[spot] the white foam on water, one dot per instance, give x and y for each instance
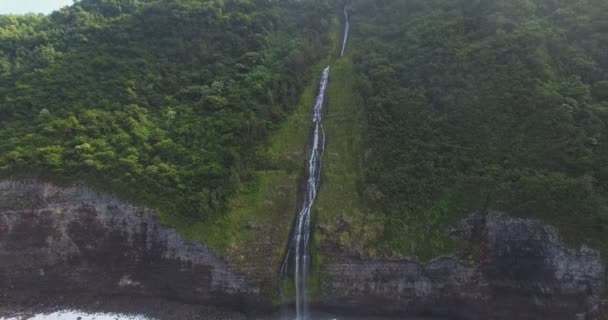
(78, 315)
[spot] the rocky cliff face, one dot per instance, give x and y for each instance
(55, 240)
(58, 240)
(523, 272)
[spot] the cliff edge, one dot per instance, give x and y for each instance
(55, 240)
(74, 240)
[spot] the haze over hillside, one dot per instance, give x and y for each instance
(337, 138)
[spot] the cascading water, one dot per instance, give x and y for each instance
(346, 29)
(297, 260)
(299, 248)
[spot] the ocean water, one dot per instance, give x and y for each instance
(83, 315)
(78, 315)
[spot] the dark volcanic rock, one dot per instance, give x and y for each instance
(524, 272)
(58, 241)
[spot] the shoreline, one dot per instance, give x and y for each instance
(148, 307)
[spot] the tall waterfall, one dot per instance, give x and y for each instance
(299, 248)
(297, 260)
(346, 30)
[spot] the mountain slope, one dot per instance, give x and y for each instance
(161, 102)
(473, 105)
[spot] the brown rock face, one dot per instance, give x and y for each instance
(74, 240)
(524, 272)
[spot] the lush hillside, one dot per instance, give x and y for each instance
(162, 102)
(482, 104)
(200, 109)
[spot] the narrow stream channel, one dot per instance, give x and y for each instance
(297, 260)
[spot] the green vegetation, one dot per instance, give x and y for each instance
(339, 212)
(165, 103)
(201, 110)
(482, 104)
(285, 156)
(270, 199)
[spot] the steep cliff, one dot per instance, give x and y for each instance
(522, 272)
(58, 240)
(73, 240)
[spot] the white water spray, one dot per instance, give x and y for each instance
(72, 315)
(346, 30)
(298, 252)
(299, 248)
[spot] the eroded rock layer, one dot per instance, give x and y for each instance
(522, 272)
(74, 240)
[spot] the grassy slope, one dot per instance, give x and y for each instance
(339, 215)
(339, 212)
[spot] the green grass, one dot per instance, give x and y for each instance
(258, 203)
(338, 214)
(288, 145)
(338, 208)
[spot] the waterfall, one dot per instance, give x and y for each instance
(299, 248)
(297, 260)
(346, 29)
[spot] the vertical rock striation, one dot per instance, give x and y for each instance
(61, 241)
(524, 272)
(58, 241)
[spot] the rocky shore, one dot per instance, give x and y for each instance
(522, 271)
(74, 247)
